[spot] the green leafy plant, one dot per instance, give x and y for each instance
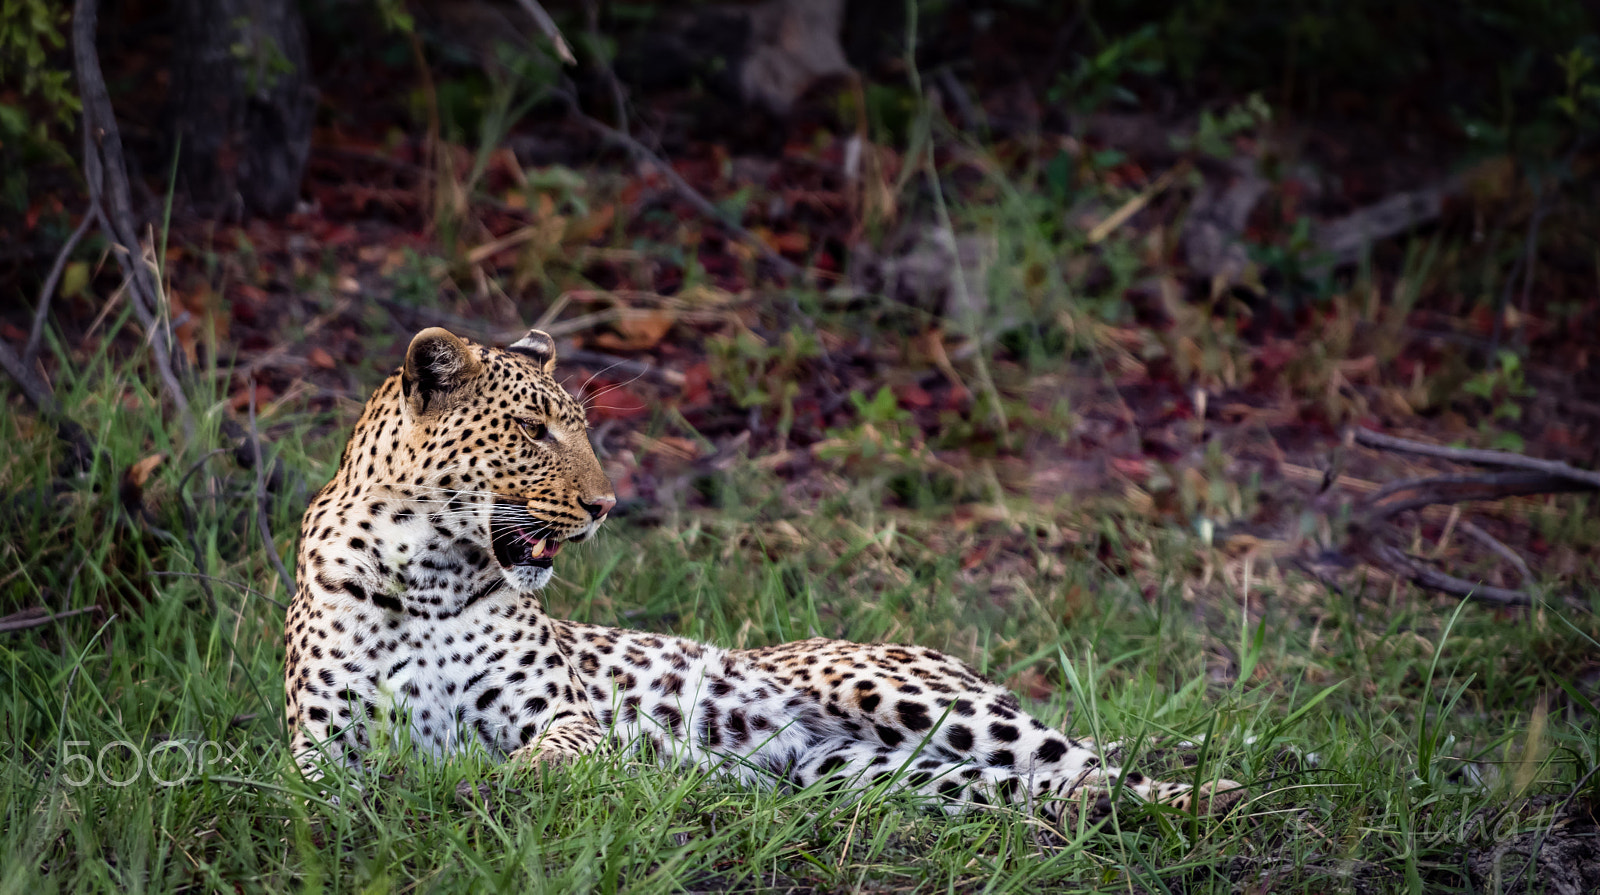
(1098, 79)
(886, 445)
(30, 30)
(1212, 134)
(761, 375)
(1502, 387)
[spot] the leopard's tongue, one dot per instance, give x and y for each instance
(539, 548)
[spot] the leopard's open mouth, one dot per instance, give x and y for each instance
(521, 540)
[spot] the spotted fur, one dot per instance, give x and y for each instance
(419, 570)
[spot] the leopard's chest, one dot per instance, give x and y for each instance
(454, 680)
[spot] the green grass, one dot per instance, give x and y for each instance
(1384, 735)
(1352, 724)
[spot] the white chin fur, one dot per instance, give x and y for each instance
(527, 578)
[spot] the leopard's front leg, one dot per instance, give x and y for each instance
(571, 729)
(561, 743)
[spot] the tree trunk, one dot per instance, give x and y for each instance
(242, 105)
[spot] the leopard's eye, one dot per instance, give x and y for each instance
(532, 428)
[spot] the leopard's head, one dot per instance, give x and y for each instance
(499, 449)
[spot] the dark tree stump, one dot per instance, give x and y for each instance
(242, 105)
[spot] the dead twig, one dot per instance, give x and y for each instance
(950, 87)
(106, 173)
(42, 309)
(1522, 266)
(38, 617)
(80, 450)
(1133, 206)
(548, 26)
(34, 388)
(24, 368)
(1500, 549)
(619, 96)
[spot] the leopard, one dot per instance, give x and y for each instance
(418, 608)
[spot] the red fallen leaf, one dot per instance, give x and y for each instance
(247, 301)
(1277, 353)
(240, 401)
(1030, 683)
(1557, 435)
(13, 332)
(912, 396)
(1481, 319)
(977, 555)
(615, 402)
(697, 385)
(638, 330)
(1132, 467)
(792, 242)
(321, 359)
(629, 196)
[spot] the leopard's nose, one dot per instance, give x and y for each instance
(599, 506)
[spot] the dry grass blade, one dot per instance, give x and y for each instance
(262, 522)
(1132, 206)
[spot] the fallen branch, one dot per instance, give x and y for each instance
(1343, 241)
(1214, 228)
(1373, 534)
(1369, 438)
(1414, 494)
(38, 617)
(1419, 572)
(644, 155)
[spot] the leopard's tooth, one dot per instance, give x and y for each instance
(538, 547)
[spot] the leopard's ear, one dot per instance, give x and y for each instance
(437, 364)
(538, 345)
